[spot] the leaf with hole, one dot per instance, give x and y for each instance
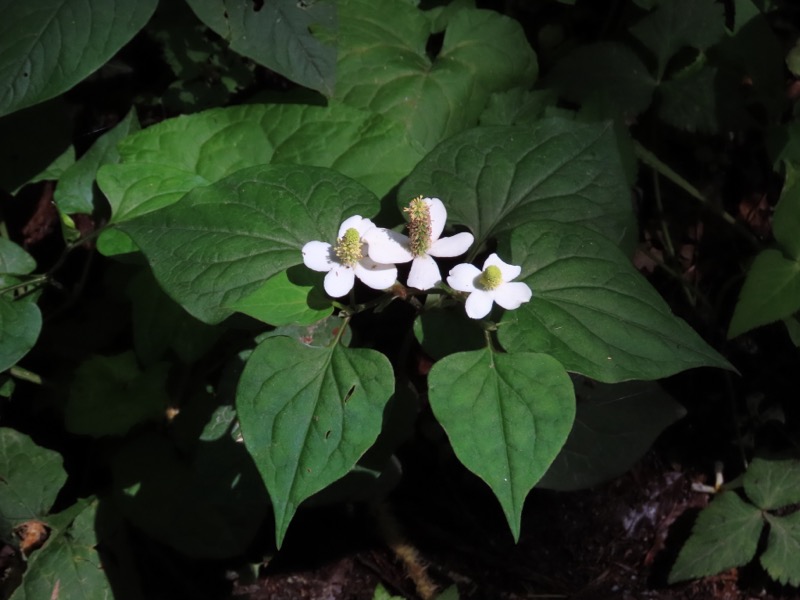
(308, 414)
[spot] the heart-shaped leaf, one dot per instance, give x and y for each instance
(507, 417)
(384, 65)
(31, 479)
(495, 179)
(278, 35)
(770, 292)
(308, 414)
(14, 260)
(47, 47)
(220, 243)
(593, 311)
(20, 324)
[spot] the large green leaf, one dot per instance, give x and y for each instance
(75, 190)
(494, 179)
(507, 416)
(614, 426)
(678, 23)
(68, 566)
(781, 559)
(593, 311)
(48, 46)
(770, 292)
(308, 414)
(293, 297)
(220, 243)
(163, 162)
(772, 484)
(278, 35)
(384, 66)
(724, 536)
(30, 479)
(20, 324)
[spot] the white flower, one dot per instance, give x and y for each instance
(348, 259)
(427, 220)
(493, 284)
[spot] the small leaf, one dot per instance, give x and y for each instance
(220, 243)
(781, 559)
(286, 299)
(607, 77)
(20, 324)
(48, 47)
(14, 260)
(689, 101)
(679, 23)
(75, 190)
(68, 566)
(308, 414)
(30, 479)
(770, 292)
(110, 395)
(278, 35)
(384, 65)
(614, 426)
(507, 417)
(724, 536)
(772, 484)
(495, 179)
(593, 311)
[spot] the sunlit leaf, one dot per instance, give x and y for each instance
(781, 559)
(494, 179)
(384, 65)
(220, 243)
(593, 311)
(507, 417)
(20, 324)
(14, 260)
(308, 414)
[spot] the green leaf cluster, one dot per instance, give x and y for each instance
(727, 532)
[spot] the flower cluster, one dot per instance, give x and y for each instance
(369, 253)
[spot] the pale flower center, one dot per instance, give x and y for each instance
(419, 227)
(491, 278)
(349, 247)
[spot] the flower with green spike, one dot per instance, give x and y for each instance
(493, 284)
(427, 217)
(348, 259)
